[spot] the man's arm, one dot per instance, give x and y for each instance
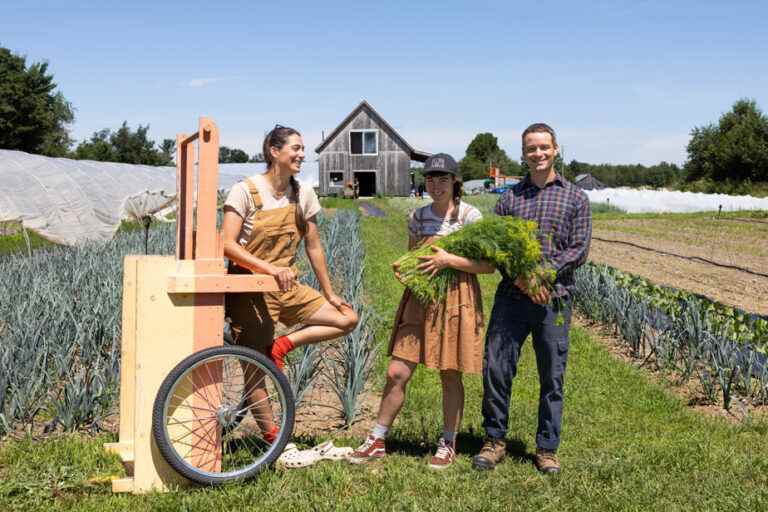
(576, 253)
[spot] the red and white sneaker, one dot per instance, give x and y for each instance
(444, 456)
(372, 449)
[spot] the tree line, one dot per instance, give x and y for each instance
(728, 156)
(484, 151)
(34, 117)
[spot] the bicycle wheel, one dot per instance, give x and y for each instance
(212, 410)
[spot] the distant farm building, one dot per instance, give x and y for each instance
(588, 182)
(365, 147)
(499, 179)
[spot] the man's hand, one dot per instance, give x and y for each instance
(534, 288)
(435, 263)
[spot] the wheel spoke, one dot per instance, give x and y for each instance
(204, 444)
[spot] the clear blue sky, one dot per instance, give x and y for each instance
(621, 82)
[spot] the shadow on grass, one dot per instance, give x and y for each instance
(467, 443)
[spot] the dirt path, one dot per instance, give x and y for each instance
(371, 209)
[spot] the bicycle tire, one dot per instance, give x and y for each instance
(186, 369)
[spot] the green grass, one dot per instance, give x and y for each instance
(18, 243)
(338, 202)
(601, 208)
(628, 444)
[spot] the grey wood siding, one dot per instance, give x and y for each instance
(392, 163)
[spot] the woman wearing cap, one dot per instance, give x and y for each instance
(265, 218)
(446, 336)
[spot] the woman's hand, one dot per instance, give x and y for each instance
(435, 263)
(337, 302)
(285, 277)
(396, 270)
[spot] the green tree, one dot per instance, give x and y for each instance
(125, 146)
(483, 152)
(734, 150)
(232, 156)
(33, 116)
(632, 175)
(168, 149)
(257, 158)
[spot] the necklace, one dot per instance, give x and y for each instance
(278, 194)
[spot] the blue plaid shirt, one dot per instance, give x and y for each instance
(561, 210)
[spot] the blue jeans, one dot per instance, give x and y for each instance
(513, 318)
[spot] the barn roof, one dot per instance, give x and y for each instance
(588, 182)
(419, 156)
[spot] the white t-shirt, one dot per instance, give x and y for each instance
(240, 200)
(432, 225)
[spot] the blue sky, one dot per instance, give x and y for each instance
(621, 82)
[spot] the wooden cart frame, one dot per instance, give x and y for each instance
(173, 307)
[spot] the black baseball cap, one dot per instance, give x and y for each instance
(441, 162)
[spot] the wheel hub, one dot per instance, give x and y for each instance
(227, 415)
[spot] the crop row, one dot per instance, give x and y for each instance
(736, 324)
(679, 332)
(60, 323)
(347, 364)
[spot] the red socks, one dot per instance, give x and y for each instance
(280, 348)
(272, 434)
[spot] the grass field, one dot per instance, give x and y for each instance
(628, 444)
(17, 242)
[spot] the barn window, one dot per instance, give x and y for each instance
(336, 179)
(363, 142)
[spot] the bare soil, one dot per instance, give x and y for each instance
(748, 249)
(319, 415)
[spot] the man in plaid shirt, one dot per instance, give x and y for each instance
(525, 306)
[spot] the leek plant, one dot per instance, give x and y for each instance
(685, 335)
(349, 366)
(60, 324)
(60, 335)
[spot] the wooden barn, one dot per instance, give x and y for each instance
(365, 147)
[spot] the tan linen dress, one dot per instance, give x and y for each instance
(443, 336)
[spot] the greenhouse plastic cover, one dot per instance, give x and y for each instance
(69, 201)
(641, 201)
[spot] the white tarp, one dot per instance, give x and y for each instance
(641, 201)
(69, 201)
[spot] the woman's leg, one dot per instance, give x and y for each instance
(258, 401)
(453, 409)
(326, 323)
(453, 401)
(399, 373)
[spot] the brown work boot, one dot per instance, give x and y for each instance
(546, 461)
(492, 452)
(372, 449)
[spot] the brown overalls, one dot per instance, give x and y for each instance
(444, 336)
(275, 237)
